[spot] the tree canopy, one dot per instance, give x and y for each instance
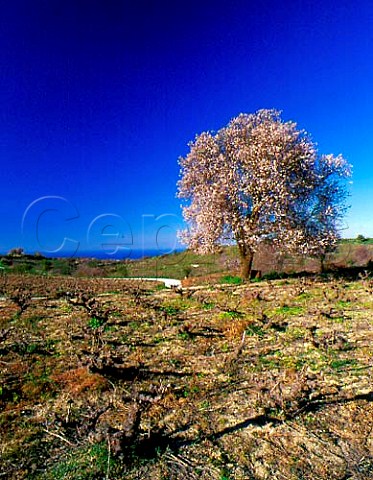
(261, 179)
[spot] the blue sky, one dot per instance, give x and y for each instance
(99, 98)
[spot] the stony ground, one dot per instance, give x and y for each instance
(111, 379)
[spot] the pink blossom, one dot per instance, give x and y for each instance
(257, 180)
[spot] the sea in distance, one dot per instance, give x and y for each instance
(108, 255)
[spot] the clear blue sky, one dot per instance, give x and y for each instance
(99, 98)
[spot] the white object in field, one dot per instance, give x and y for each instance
(168, 282)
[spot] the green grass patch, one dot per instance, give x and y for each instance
(287, 310)
(170, 310)
(94, 323)
(273, 276)
(340, 363)
(208, 305)
(296, 333)
(33, 321)
(66, 308)
(252, 330)
(304, 296)
(184, 336)
(89, 463)
(189, 391)
(343, 303)
(231, 279)
(268, 361)
(230, 314)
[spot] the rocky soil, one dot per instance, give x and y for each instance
(112, 379)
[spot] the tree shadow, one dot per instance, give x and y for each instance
(158, 442)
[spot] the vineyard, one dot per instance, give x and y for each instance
(113, 378)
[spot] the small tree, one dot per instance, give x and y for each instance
(360, 238)
(260, 180)
(16, 252)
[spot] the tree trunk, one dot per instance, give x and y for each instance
(246, 264)
(322, 263)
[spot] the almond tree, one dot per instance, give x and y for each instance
(257, 180)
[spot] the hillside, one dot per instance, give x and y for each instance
(186, 264)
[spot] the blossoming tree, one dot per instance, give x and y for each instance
(258, 180)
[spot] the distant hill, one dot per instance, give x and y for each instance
(186, 264)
